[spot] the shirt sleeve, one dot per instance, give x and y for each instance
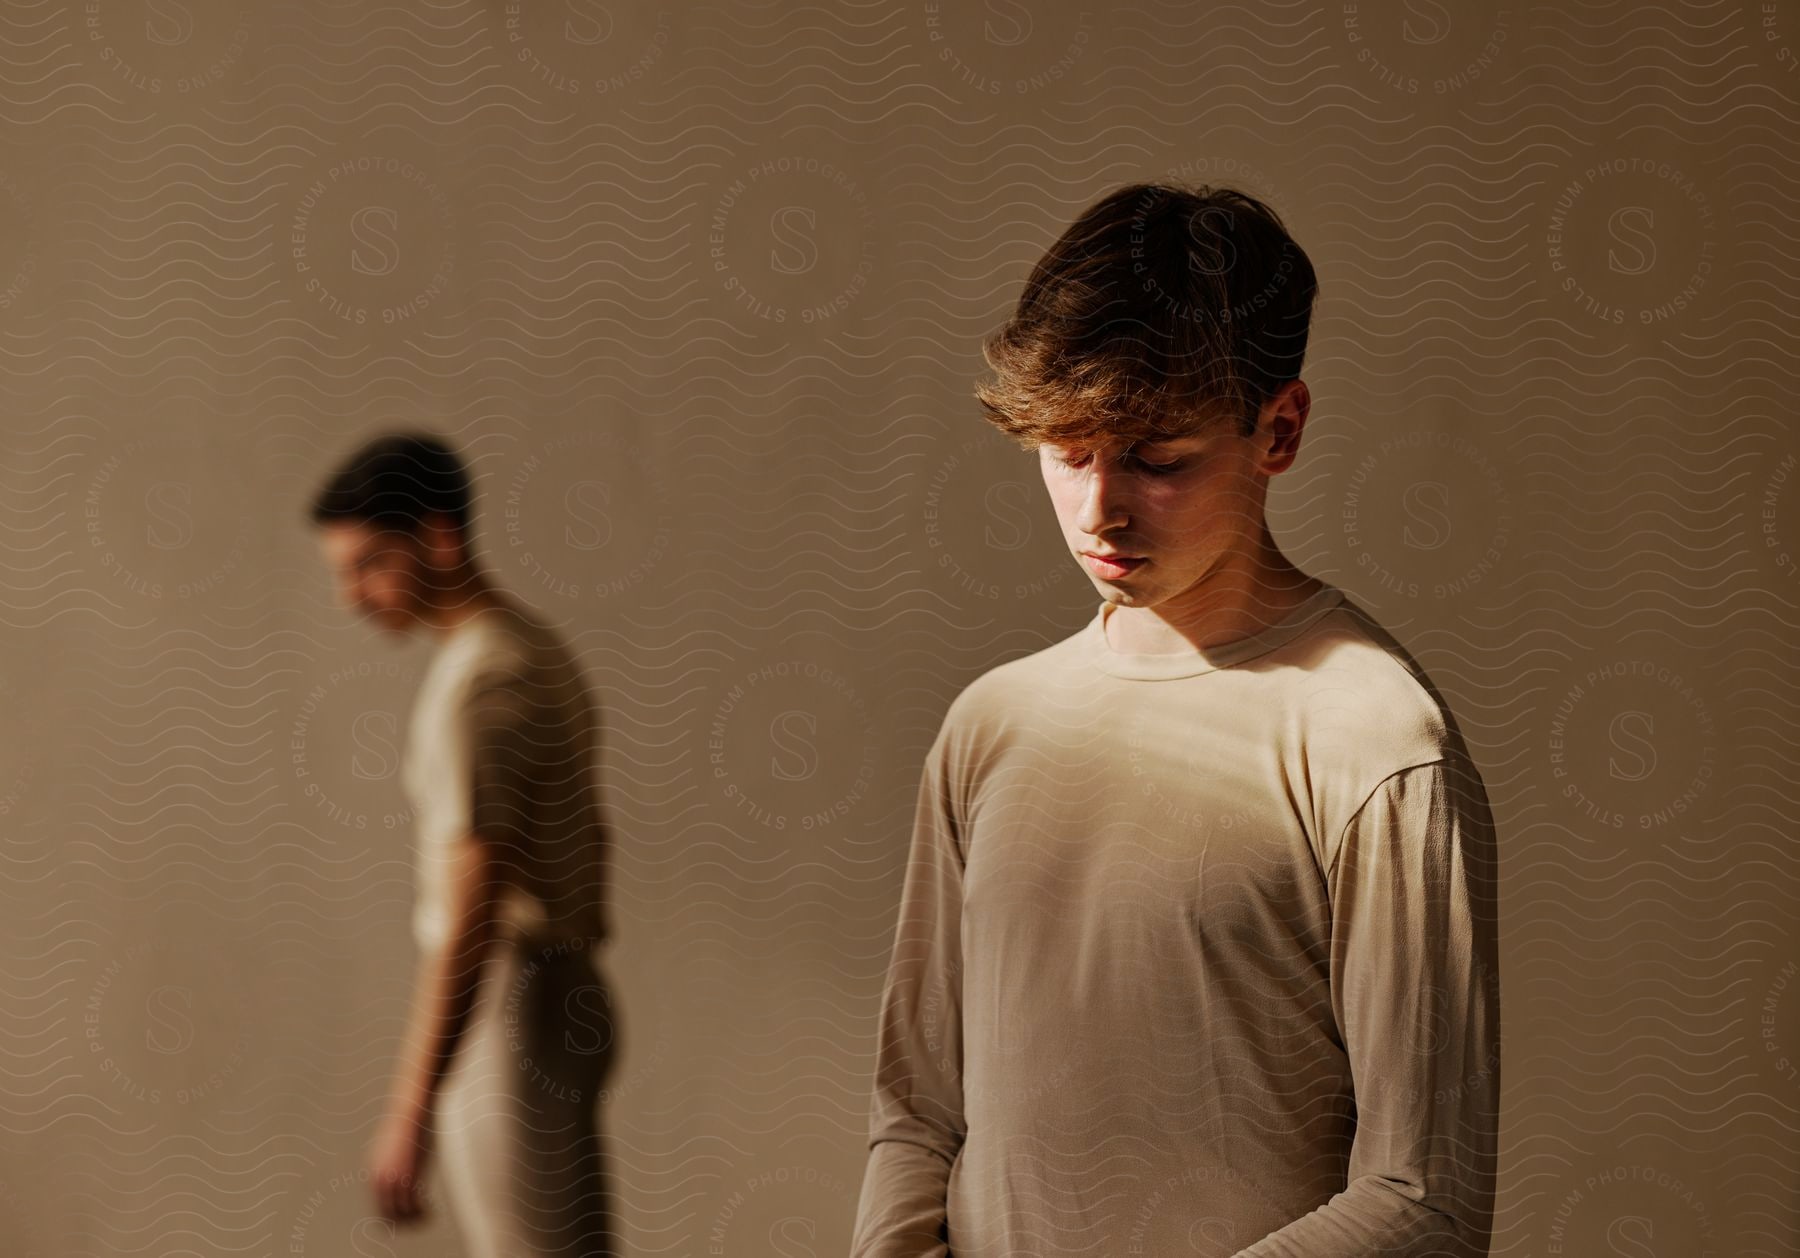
(916, 1125)
(498, 746)
(1415, 991)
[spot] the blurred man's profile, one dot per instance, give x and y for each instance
(508, 1039)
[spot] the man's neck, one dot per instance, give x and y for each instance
(472, 597)
(1223, 607)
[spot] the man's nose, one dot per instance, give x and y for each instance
(1105, 497)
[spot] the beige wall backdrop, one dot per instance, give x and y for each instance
(699, 289)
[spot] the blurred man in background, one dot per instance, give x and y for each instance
(508, 1039)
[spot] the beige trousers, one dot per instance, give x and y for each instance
(519, 1156)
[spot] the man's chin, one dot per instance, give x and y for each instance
(1118, 597)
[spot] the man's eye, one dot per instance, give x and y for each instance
(1161, 469)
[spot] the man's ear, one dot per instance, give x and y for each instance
(441, 539)
(1280, 423)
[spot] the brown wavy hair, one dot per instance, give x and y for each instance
(1163, 310)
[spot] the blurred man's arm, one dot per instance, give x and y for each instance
(916, 1115)
(445, 980)
(489, 779)
(444, 990)
(1415, 987)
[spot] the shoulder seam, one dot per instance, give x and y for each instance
(1338, 849)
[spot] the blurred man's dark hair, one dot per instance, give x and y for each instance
(394, 482)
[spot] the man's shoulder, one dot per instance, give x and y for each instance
(489, 653)
(1357, 684)
(515, 640)
(1363, 710)
(494, 661)
(1013, 686)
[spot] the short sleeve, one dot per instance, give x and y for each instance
(497, 753)
(1415, 993)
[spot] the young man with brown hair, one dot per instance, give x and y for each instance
(1197, 946)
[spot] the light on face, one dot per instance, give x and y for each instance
(1114, 481)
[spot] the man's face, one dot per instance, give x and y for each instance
(1181, 508)
(379, 574)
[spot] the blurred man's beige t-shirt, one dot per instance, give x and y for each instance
(502, 741)
(1196, 955)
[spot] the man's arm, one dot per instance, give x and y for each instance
(916, 1111)
(1415, 989)
(488, 780)
(445, 980)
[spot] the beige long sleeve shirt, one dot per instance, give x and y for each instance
(1196, 955)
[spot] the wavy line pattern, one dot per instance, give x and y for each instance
(699, 290)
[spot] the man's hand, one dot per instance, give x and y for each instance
(397, 1165)
(443, 1002)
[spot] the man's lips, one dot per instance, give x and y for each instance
(1111, 564)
